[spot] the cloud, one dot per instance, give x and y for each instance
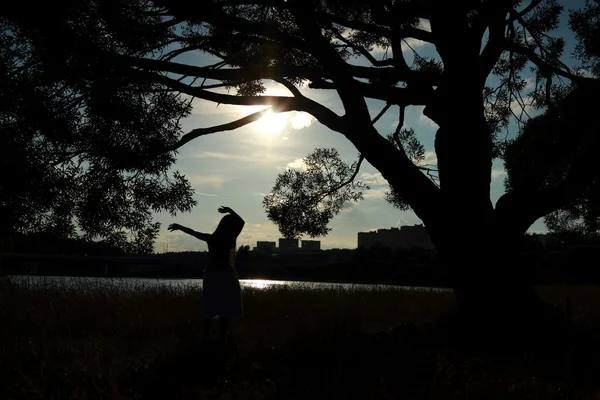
(430, 158)
(347, 206)
(297, 164)
(254, 232)
(402, 222)
(375, 179)
(301, 120)
(529, 83)
(522, 105)
(379, 186)
(498, 173)
(424, 25)
(375, 193)
(205, 194)
(205, 180)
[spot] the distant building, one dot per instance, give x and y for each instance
(264, 247)
(416, 236)
(405, 237)
(311, 245)
(288, 245)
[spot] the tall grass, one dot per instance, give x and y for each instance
(99, 341)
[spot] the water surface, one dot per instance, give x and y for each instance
(265, 284)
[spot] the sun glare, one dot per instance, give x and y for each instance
(271, 123)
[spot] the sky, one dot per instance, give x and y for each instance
(237, 168)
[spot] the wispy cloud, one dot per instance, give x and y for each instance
(205, 180)
(205, 194)
(256, 158)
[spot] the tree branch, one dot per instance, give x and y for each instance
(196, 133)
(214, 14)
(345, 183)
(290, 86)
(378, 63)
(360, 159)
(381, 113)
(256, 73)
(401, 96)
(410, 32)
(518, 15)
(396, 135)
(543, 65)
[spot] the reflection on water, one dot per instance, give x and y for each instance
(131, 283)
(258, 283)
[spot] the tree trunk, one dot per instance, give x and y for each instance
(493, 283)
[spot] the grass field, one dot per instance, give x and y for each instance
(100, 342)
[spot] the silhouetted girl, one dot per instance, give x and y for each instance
(221, 286)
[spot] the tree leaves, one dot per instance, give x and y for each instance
(586, 25)
(82, 145)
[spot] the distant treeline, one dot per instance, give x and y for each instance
(559, 261)
(47, 243)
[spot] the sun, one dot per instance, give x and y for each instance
(271, 123)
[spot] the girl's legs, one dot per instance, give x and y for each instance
(224, 329)
(206, 329)
(224, 325)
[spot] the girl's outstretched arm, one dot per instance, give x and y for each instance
(197, 235)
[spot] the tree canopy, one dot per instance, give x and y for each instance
(564, 140)
(490, 56)
(78, 152)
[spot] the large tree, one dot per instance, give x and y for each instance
(469, 90)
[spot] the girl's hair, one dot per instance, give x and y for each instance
(228, 228)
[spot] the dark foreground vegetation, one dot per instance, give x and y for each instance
(97, 342)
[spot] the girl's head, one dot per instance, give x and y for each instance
(228, 228)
